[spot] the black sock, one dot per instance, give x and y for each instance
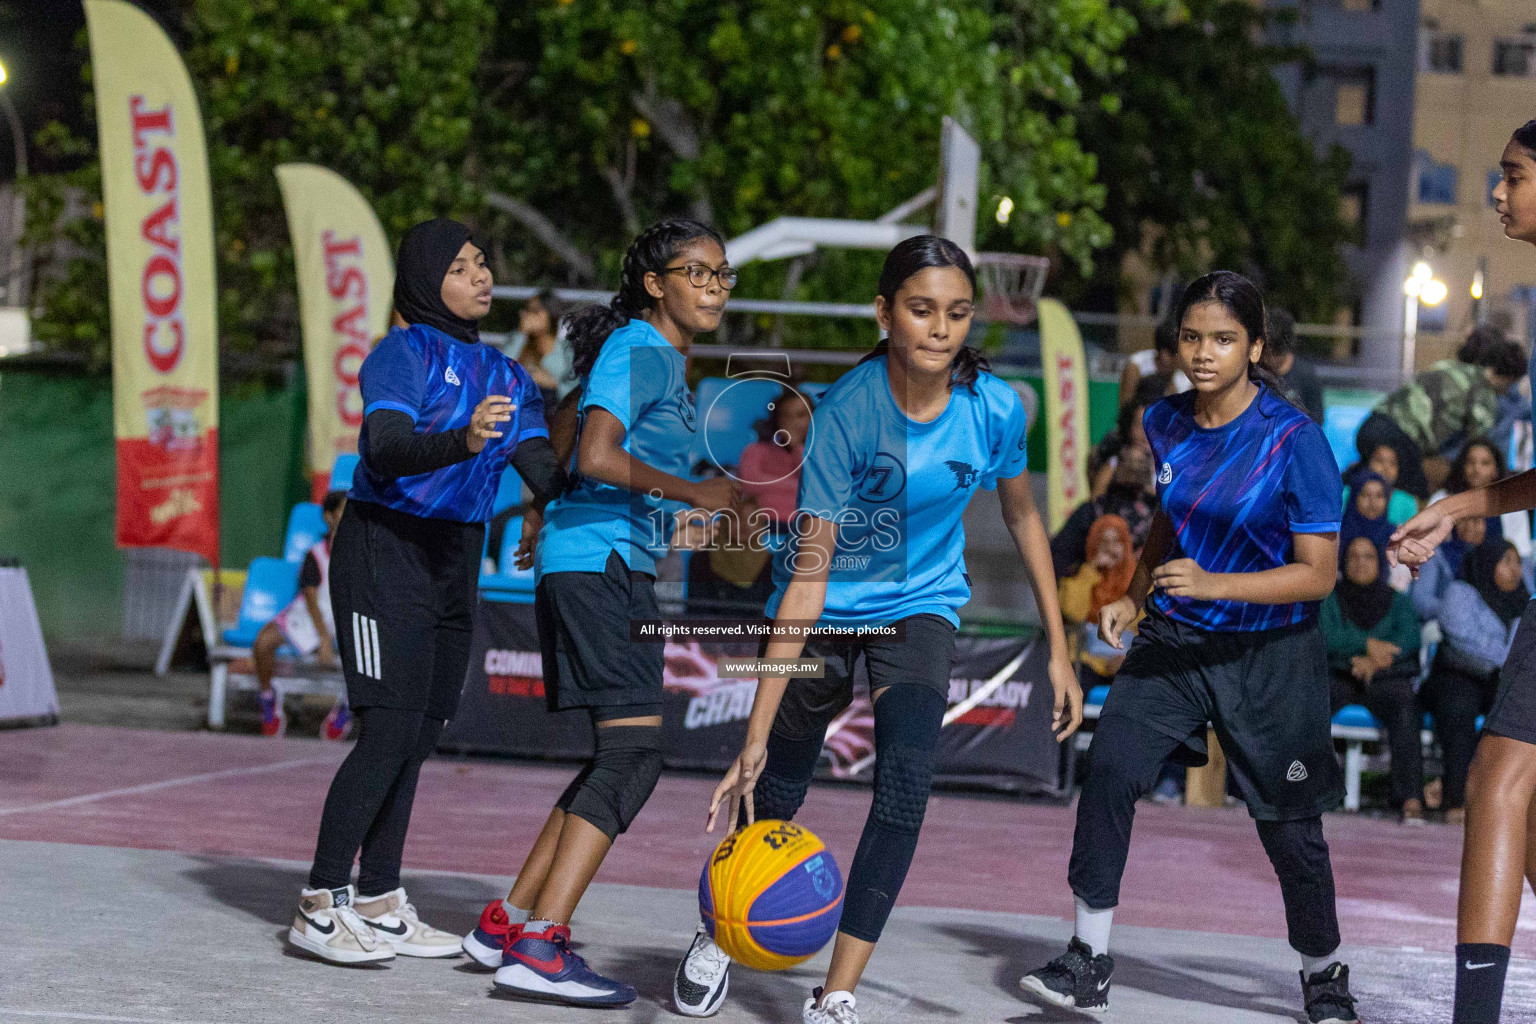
(1480, 969)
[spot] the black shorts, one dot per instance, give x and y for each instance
(1266, 693)
(589, 659)
(1514, 705)
(403, 591)
(923, 657)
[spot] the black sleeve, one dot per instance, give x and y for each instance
(309, 575)
(394, 449)
(536, 463)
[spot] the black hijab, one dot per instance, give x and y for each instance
(1478, 571)
(1365, 604)
(426, 253)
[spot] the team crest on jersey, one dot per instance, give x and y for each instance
(451, 377)
(964, 474)
(1166, 476)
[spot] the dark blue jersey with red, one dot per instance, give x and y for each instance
(1236, 494)
(437, 381)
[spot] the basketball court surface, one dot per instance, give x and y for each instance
(149, 877)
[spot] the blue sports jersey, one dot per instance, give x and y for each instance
(640, 377)
(437, 381)
(896, 489)
(1236, 494)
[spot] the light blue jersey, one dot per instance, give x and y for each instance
(640, 378)
(896, 489)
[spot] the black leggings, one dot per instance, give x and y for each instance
(1391, 700)
(908, 717)
(1455, 698)
(369, 804)
(1123, 762)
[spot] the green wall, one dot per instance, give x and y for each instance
(58, 488)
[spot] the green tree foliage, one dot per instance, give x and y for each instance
(1204, 166)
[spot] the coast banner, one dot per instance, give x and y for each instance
(346, 280)
(159, 227)
(1066, 412)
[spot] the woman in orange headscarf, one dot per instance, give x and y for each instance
(1104, 578)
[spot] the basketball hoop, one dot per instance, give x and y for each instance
(1011, 284)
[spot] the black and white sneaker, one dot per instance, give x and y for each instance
(1327, 996)
(702, 979)
(1076, 979)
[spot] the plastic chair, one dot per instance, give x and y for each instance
(306, 525)
(270, 584)
(727, 411)
(341, 472)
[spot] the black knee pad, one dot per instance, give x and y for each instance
(903, 778)
(623, 772)
(781, 789)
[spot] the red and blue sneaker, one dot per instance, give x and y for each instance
(540, 965)
(338, 722)
(491, 936)
(273, 721)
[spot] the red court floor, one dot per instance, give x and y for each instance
(1194, 869)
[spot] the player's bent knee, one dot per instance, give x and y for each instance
(623, 772)
(903, 779)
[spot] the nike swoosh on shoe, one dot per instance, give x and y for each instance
(548, 966)
(317, 926)
(398, 932)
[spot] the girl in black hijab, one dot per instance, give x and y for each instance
(443, 416)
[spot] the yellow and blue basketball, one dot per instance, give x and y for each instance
(771, 895)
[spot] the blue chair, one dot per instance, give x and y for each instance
(727, 411)
(1355, 716)
(341, 472)
(509, 583)
(306, 525)
(270, 584)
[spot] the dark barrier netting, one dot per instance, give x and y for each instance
(1003, 742)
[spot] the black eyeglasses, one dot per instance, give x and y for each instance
(699, 275)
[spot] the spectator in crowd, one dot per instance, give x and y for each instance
(307, 626)
(1478, 464)
(1382, 460)
(1428, 419)
(1104, 457)
(1373, 641)
(1512, 404)
(737, 571)
(1367, 513)
(1437, 574)
(1129, 495)
(1297, 375)
(1103, 579)
(545, 355)
(1478, 616)
(1153, 373)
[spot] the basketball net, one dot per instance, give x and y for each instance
(1011, 284)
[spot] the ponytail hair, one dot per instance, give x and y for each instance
(1242, 298)
(650, 252)
(912, 256)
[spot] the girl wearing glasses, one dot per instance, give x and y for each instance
(596, 570)
(899, 446)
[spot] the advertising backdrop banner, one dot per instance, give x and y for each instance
(1003, 742)
(159, 226)
(346, 279)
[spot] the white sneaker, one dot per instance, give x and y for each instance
(395, 921)
(835, 1008)
(328, 927)
(702, 979)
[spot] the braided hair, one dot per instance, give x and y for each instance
(649, 253)
(916, 254)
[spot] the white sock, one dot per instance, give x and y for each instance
(516, 915)
(534, 927)
(1310, 965)
(1093, 926)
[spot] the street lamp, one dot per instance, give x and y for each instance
(1421, 286)
(13, 282)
